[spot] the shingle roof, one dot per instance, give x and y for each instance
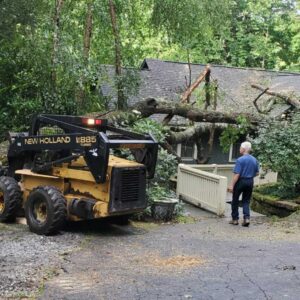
(166, 79)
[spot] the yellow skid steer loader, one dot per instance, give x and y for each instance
(63, 169)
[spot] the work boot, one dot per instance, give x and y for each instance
(234, 222)
(246, 223)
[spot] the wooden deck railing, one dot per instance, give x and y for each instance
(206, 185)
(203, 189)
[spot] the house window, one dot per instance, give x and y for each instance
(234, 152)
(188, 150)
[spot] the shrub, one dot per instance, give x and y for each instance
(166, 165)
(277, 147)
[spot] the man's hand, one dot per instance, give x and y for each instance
(234, 181)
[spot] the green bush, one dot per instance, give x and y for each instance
(158, 187)
(275, 191)
(277, 147)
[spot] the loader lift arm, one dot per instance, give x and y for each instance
(91, 138)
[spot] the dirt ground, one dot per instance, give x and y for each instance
(201, 258)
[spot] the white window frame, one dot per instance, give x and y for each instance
(230, 158)
(194, 151)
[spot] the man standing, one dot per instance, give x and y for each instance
(245, 169)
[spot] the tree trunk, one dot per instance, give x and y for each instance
(88, 30)
(151, 106)
(189, 80)
(205, 159)
(56, 33)
(121, 101)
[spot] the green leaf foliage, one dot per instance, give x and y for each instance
(262, 33)
(277, 147)
(232, 133)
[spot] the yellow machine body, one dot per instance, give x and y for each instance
(76, 183)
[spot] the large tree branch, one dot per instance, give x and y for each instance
(256, 99)
(151, 106)
(294, 102)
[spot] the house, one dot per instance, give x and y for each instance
(167, 80)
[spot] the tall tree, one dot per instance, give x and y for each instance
(261, 34)
(56, 34)
(87, 38)
(198, 26)
(88, 31)
(121, 101)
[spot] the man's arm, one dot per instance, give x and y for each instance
(234, 181)
(236, 170)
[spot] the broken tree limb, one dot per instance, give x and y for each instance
(185, 96)
(294, 102)
(207, 89)
(256, 99)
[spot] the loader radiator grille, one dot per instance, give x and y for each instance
(128, 189)
(130, 185)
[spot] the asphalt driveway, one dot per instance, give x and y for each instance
(205, 258)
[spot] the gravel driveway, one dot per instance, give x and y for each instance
(203, 259)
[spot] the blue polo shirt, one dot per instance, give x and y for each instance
(247, 166)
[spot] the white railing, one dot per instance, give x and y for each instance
(226, 170)
(206, 185)
(203, 189)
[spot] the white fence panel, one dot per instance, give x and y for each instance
(202, 189)
(226, 170)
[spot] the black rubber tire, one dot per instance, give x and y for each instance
(11, 198)
(55, 210)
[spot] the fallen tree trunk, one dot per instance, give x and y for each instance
(189, 133)
(151, 106)
(294, 102)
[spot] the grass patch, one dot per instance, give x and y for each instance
(144, 225)
(185, 220)
(275, 192)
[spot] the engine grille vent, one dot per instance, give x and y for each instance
(128, 189)
(130, 185)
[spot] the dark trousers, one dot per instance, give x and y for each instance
(243, 186)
